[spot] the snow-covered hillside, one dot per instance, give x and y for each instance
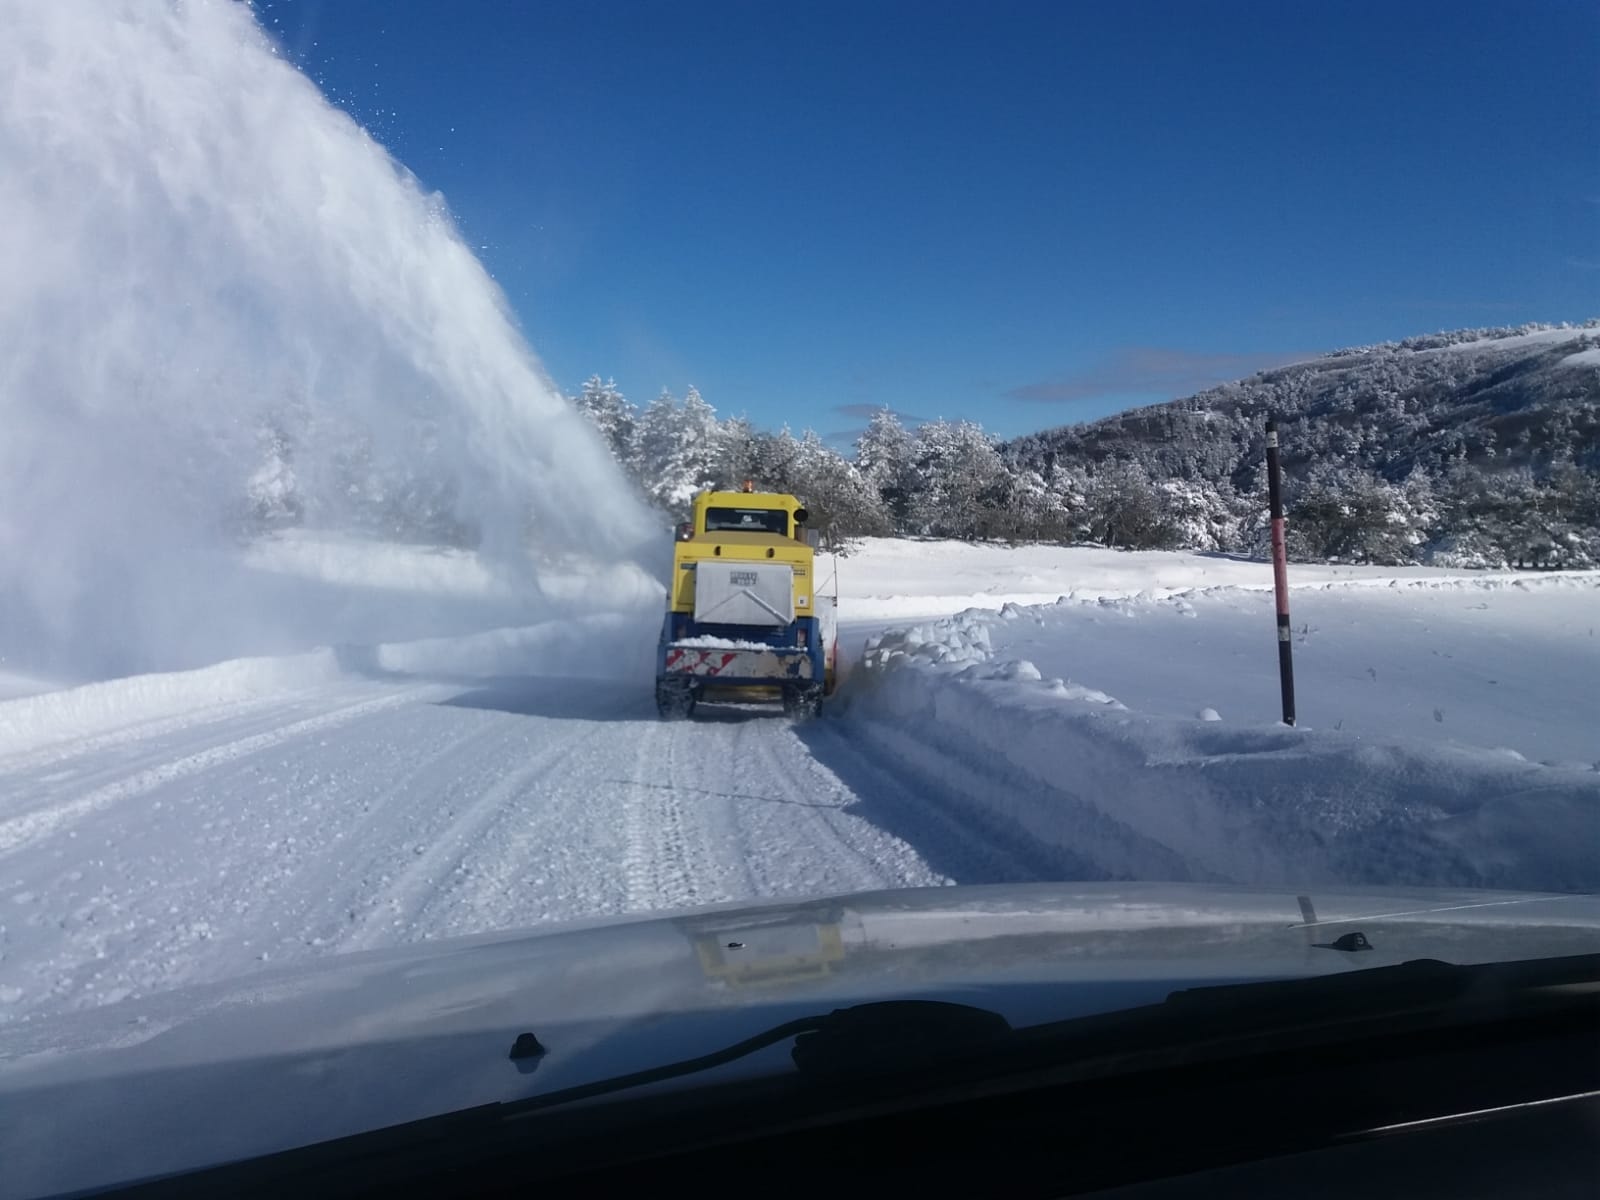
(1478, 447)
(1475, 448)
(1097, 715)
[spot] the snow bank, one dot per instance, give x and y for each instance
(1138, 796)
(885, 579)
(607, 645)
(1491, 662)
(17, 683)
(80, 712)
(602, 646)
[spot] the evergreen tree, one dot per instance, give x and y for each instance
(610, 413)
(1125, 510)
(885, 456)
(1353, 517)
(733, 457)
(676, 450)
(841, 502)
(964, 482)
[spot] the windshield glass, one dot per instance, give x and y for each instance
(748, 520)
(1193, 417)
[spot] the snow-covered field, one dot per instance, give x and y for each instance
(1037, 713)
(889, 578)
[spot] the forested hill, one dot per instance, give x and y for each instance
(1470, 449)
(1498, 399)
(1473, 448)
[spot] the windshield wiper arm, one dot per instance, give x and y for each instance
(912, 1037)
(847, 1040)
(687, 1066)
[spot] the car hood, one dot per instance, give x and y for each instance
(345, 1044)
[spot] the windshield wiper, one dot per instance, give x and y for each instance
(907, 1039)
(864, 1036)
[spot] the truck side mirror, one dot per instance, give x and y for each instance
(801, 516)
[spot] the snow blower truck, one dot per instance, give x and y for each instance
(744, 618)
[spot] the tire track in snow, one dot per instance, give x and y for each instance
(16, 832)
(56, 776)
(844, 852)
(745, 812)
(141, 732)
(211, 876)
(555, 850)
(444, 859)
(667, 859)
(364, 854)
(393, 820)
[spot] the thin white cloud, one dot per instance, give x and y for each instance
(1150, 370)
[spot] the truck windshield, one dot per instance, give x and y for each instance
(748, 520)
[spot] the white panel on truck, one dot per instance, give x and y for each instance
(827, 615)
(744, 593)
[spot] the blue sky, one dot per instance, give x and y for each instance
(1025, 214)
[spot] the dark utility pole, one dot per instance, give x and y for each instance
(1280, 572)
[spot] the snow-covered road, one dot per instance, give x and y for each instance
(168, 829)
(371, 814)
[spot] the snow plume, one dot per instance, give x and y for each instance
(224, 308)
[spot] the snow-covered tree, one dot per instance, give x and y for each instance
(272, 492)
(886, 458)
(1046, 509)
(611, 414)
(701, 436)
(1126, 511)
(1353, 517)
(841, 502)
(733, 459)
(1199, 514)
(676, 450)
(964, 484)
(1391, 453)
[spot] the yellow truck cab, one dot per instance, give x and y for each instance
(744, 621)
